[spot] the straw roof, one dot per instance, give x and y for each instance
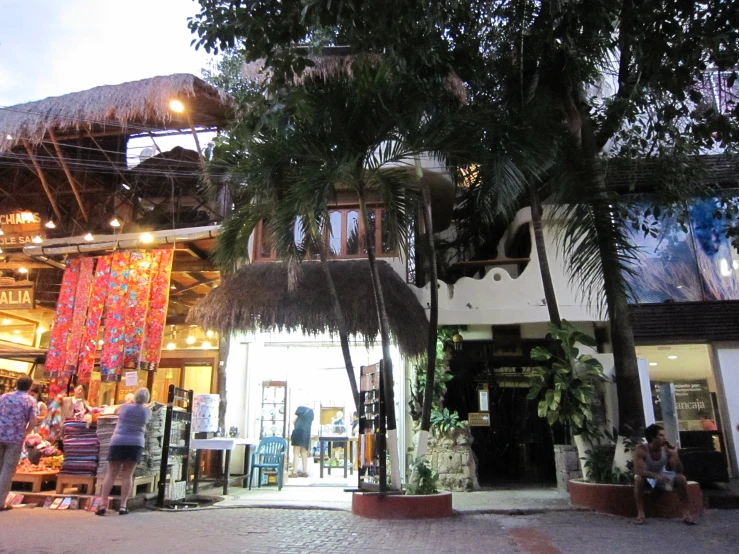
(257, 297)
(132, 107)
(333, 64)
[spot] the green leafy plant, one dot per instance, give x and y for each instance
(565, 385)
(443, 421)
(428, 479)
(441, 378)
(599, 461)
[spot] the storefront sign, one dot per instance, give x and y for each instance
(17, 297)
(20, 228)
(479, 419)
(692, 399)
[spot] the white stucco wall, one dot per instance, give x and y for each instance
(727, 381)
(500, 299)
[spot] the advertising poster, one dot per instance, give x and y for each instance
(693, 401)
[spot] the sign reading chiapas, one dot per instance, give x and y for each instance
(19, 228)
(17, 295)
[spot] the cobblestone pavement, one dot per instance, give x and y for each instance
(285, 530)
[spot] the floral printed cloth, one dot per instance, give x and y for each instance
(16, 410)
(57, 354)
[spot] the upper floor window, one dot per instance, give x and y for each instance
(344, 235)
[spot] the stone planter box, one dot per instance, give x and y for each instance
(402, 506)
(619, 500)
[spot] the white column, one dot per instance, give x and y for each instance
(727, 382)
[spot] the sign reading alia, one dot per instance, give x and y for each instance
(17, 297)
(19, 228)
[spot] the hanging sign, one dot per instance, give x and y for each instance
(17, 297)
(132, 378)
(479, 419)
(20, 228)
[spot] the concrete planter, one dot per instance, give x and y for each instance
(619, 500)
(453, 459)
(402, 506)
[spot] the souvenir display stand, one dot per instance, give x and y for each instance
(273, 422)
(372, 447)
(175, 446)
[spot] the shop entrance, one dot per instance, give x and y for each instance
(517, 447)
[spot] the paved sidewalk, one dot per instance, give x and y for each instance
(325, 532)
(527, 501)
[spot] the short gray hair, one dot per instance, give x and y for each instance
(142, 395)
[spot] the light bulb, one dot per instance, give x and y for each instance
(672, 357)
(146, 238)
(37, 239)
(6, 322)
(653, 363)
(22, 270)
(176, 106)
(206, 344)
(9, 137)
(88, 237)
(1, 232)
(171, 346)
(50, 224)
(209, 334)
(190, 339)
(114, 222)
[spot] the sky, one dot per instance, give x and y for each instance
(53, 47)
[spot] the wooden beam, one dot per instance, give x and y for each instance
(197, 252)
(68, 174)
(44, 183)
(187, 266)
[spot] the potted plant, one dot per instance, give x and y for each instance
(564, 384)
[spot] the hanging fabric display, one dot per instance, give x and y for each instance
(111, 359)
(94, 315)
(156, 318)
(79, 315)
(56, 356)
(139, 285)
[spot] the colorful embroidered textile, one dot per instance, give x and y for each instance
(111, 359)
(139, 285)
(157, 316)
(79, 315)
(56, 356)
(94, 315)
(51, 427)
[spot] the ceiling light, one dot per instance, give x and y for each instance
(89, 238)
(206, 344)
(6, 322)
(652, 363)
(50, 224)
(171, 346)
(16, 331)
(9, 137)
(209, 334)
(37, 239)
(673, 357)
(146, 238)
(1, 250)
(1, 232)
(176, 106)
(190, 339)
(125, 186)
(114, 222)
(22, 270)
(100, 343)
(173, 287)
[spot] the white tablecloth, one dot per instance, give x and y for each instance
(221, 443)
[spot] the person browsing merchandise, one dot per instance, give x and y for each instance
(126, 448)
(17, 419)
(657, 466)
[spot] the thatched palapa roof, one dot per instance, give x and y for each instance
(132, 107)
(336, 62)
(257, 297)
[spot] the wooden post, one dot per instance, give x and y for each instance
(68, 174)
(42, 178)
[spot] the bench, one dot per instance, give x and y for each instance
(36, 479)
(144, 484)
(86, 481)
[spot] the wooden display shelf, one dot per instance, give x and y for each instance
(37, 479)
(87, 481)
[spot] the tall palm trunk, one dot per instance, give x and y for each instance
(630, 407)
(385, 340)
(541, 252)
(341, 324)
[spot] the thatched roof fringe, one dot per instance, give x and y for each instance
(258, 297)
(330, 66)
(141, 103)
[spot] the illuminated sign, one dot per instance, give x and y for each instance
(17, 297)
(19, 228)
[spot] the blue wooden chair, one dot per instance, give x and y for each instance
(270, 454)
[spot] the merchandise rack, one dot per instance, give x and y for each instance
(372, 442)
(176, 442)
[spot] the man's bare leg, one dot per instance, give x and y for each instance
(639, 495)
(681, 486)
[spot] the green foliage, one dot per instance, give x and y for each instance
(566, 386)
(443, 421)
(441, 377)
(599, 461)
(428, 479)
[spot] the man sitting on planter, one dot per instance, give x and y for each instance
(657, 467)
